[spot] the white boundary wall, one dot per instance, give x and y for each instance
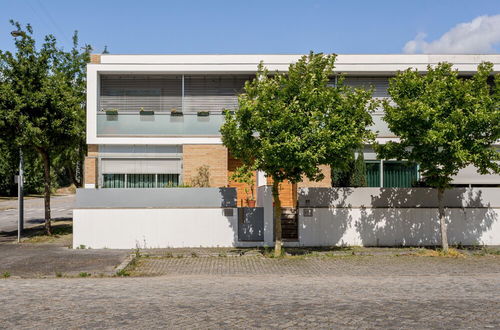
(395, 227)
(154, 228)
(397, 216)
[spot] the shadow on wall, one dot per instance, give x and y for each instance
(332, 216)
(402, 216)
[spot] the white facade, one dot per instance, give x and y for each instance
(350, 65)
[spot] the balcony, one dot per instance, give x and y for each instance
(158, 124)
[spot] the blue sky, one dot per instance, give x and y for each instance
(292, 26)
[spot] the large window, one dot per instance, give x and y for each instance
(395, 174)
(140, 180)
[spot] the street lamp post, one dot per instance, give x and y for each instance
(20, 197)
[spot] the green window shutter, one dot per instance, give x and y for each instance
(141, 180)
(113, 180)
(373, 174)
(168, 180)
(399, 174)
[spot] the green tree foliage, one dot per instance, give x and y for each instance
(288, 124)
(351, 174)
(42, 94)
(358, 178)
(445, 123)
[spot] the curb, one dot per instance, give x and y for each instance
(125, 263)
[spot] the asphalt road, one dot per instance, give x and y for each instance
(61, 207)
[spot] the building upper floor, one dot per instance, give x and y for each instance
(180, 99)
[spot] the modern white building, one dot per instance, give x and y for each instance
(153, 119)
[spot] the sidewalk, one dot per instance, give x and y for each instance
(388, 263)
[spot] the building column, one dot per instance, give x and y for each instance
(90, 171)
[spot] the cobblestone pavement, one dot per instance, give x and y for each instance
(318, 266)
(334, 293)
(194, 302)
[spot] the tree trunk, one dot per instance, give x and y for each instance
(277, 218)
(46, 167)
(442, 220)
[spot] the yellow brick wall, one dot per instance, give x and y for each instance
(215, 156)
(325, 183)
(90, 165)
(90, 170)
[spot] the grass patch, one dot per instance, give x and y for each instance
(62, 232)
(452, 253)
(84, 274)
(6, 275)
(486, 251)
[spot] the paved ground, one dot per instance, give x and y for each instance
(61, 207)
(319, 266)
(345, 296)
(47, 260)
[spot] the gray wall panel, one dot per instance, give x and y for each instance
(155, 198)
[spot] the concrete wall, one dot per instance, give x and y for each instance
(401, 216)
(154, 228)
(167, 217)
(194, 217)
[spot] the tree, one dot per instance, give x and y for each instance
(42, 98)
(444, 123)
(287, 125)
(358, 178)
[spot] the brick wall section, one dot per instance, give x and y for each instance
(90, 170)
(92, 150)
(215, 156)
(95, 58)
(232, 165)
(325, 183)
(90, 165)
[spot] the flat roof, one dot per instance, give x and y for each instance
(247, 63)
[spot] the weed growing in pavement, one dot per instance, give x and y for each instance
(452, 253)
(169, 255)
(6, 275)
(122, 273)
(59, 274)
(180, 256)
(194, 255)
(84, 274)
(222, 254)
(81, 246)
(137, 252)
(487, 251)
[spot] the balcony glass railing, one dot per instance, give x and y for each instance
(164, 124)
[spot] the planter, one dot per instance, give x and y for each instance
(112, 112)
(203, 113)
(146, 112)
(251, 203)
(176, 114)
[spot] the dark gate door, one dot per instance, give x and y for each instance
(289, 223)
(251, 224)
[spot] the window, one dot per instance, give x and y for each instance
(140, 180)
(395, 174)
(113, 181)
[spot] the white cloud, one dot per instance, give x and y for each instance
(475, 37)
